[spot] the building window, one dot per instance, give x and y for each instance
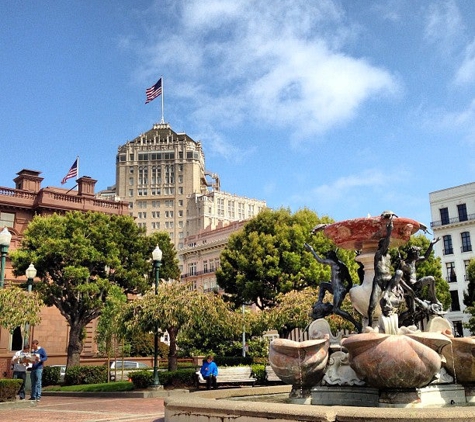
(451, 276)
(205, 266)
(462, 210)
(156, 175)
(192, 268)
(466, 245)
(444, 215)
(454, 294)
(466, 263)
(448, 248)
(7, 219)
(143, 175)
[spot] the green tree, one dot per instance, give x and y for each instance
(267, 257)
(72, 253)
(177, 307)
(469, 297)
(109, 331)
(18, 308)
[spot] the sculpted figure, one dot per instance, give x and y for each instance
(413, 286)
(339, 286)
(383, 282)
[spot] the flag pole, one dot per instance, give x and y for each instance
(77, 158)
(163, 94)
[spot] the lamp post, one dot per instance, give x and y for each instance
(157, 261)
(30, 275)
(5, 239)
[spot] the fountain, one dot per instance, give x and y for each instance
(384, 371)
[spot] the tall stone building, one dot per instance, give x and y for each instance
(162, 175)
(453, 220)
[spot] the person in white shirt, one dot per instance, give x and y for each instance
(21, 361)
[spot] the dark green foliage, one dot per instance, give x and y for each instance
(51, 375)
(179, 378)
(469, 295)
(182, 378)
(9, 388)
(259, 372)
(141, 379)
(142, 344)
(267, 257)
(232, 360)
(77, 375)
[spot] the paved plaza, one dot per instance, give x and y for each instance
(82, 409)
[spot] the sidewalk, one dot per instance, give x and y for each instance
(82, 409)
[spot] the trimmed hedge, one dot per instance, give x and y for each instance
(77, 375)
(178, 378)
(9, 389)
(51, 375)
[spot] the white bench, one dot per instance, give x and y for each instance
(271, 376)
(230, 375)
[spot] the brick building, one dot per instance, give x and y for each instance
(18, 206)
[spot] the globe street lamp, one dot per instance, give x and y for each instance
(157, 261)
(30, 275)
(5, 239)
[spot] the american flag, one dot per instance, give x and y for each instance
(154, 91)
(73, 172)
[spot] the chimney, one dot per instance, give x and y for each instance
(28, 180)
(86, 186)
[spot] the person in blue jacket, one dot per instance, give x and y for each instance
(40, 357)
(209, 370)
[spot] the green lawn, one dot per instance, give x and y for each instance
(105, 387)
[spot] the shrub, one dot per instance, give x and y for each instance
(232, 360)
(51, 375)
(77, 375)
(178, 378)
(259, 372)
(9, 388)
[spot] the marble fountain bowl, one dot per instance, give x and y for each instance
(300, 364)
(396, 361)
(365, 233)
(460, 359)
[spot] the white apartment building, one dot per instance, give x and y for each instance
(200, 256)
(163, 177)
(453, 220)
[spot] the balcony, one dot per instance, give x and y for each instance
(453, 220)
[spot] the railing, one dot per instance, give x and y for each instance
(452, 220)
(15, 193)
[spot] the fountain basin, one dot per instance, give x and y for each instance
(365, 233)
(394, 361)
(460, 359)
(301, 364)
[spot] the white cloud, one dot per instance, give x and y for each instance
(281, 64)
(466, 72)
(443, 24)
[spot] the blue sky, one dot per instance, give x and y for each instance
(346, 107)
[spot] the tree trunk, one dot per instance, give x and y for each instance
(75, 345)
(172, 353)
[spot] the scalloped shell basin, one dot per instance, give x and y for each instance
(299, 363)
(364, 233)
(396, 361)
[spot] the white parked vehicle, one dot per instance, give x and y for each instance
(119, 369)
